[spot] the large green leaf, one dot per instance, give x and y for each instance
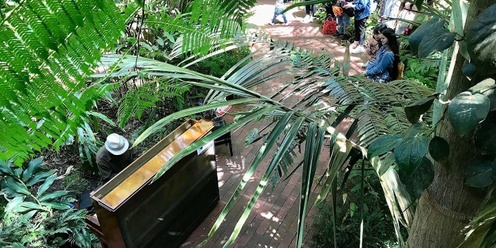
(16, 186)
(420, 179)
(410, 153)
(14, 204)
(33, 166)
(418, 108)
(442, 39)
(53, 195)
(485, 137)
(466, 111)
(431, 36)
(39, 177)
(48, 182)
(483, 86)
(481, 41)
(479, 174)
(439, 148)
(383, 144)
(313, 146)
(5, 168)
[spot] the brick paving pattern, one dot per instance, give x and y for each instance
(273, 221)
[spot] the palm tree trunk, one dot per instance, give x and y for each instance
(448, 205)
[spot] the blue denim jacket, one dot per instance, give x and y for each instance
(362, 9)
(379, 69)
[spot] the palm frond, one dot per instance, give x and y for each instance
(324, 98)
(206, 24)
(50, 48)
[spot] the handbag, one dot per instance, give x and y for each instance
(330, 25)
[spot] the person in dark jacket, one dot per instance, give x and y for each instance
(114, 156)
(362, 13)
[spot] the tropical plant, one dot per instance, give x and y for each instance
(376, 109)
(51, 46)
(378, 231)
(36, 217)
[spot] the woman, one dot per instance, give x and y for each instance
(385, 66)
(373, 45)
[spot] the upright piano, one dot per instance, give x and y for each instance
(133, 212)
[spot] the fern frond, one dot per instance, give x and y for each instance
(49, 50)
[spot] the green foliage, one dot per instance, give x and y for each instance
(439, 148)
(481, 41)
(467, 110)
(154, 93)
(75, 182)
(45, 70)
(35, 216)
(480, 173)
(378, 231)
(218, 65)
(431, 36)
(424, 71)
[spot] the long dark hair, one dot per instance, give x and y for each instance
(395, 48)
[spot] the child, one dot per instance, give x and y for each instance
(279, 8)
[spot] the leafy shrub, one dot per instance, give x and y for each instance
(378, 228)
(36, 217)
(218, 65)
(75, 182)
(424, 71)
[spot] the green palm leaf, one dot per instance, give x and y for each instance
(315, 138)
(326, 99)
(271, 140)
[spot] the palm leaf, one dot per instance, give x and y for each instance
(315, 138)
(327, 99)
(271, 140)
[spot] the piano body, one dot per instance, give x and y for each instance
(131, 212)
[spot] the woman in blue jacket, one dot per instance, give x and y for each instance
(385, 66)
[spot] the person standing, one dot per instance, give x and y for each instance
(391, 9)
(402, 27)
(343, 19)
(362, 12)
(309, 12)
(113, 156)
(278, 10)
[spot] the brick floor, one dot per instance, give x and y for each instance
(273, 221)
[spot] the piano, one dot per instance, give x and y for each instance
(133, 212)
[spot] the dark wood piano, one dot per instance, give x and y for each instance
(131, 212)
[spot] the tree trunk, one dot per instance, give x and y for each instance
(448, 205)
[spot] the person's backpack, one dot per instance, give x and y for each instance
(330, 26)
